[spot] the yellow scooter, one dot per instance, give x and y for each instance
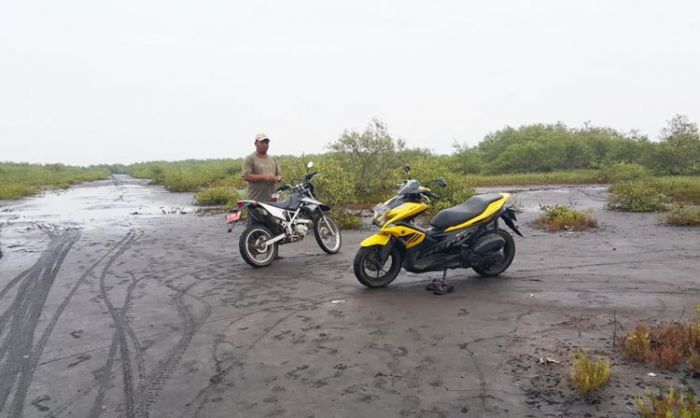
(464, 236)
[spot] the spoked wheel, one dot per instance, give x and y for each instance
(327, 234)
(506, 255)
(369, 269)
(254, 250)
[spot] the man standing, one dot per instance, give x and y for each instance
(261, 171)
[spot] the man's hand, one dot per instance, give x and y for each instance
(277, 178)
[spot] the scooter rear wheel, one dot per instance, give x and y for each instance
(371, 272)
(507, 254)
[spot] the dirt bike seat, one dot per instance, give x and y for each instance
(463, 212)
(285, 204)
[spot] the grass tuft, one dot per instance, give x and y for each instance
(588, 375)
(564, 218)
(637, 344)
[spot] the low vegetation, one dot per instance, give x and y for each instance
(666, 345)
(190, 175)
(564, 218)
(581, 176)
(622, 171)
(589, 374)
(364, 167)
(642, 195)
(681, 215)
(217, 195)
(668, 404)
(19, 179)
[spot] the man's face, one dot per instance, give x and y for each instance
(262, 146)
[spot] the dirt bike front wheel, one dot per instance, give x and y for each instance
(327, 234)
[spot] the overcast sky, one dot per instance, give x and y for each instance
(87, 81)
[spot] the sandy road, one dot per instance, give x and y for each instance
(123, 310)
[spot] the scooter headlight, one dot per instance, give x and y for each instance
(379, 211)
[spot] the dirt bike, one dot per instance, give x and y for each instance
(464, 236)
(276, 223)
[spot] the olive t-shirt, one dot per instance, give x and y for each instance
(254, 164)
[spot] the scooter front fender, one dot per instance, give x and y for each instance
(376, 239)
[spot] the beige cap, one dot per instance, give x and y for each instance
(261, 137)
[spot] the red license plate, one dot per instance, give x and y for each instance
(233, 217)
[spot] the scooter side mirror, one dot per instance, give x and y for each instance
(407, 168)
(309, 165)
(441, 182)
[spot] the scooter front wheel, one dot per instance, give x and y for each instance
(369, 269)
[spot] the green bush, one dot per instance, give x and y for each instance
(217, 195)
(684, 190)
(623, 172)
(683, 215)
(22, 179)
(188, 175)
(346, 220)
(643, 195)
(333, 185)
(369, 157)
(523, 179)
(457, 191)
(15, 191)
(184, 179)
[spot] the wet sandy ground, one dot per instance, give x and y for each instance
(135, 312)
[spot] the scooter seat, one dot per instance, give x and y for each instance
(463, 212)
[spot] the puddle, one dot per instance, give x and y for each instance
(95, 203)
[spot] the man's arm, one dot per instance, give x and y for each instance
(255, 178)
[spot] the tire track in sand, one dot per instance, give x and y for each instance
(119, 340)
(190, 325)
(66, 301)
(16, 343)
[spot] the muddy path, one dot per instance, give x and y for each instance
(123, 302)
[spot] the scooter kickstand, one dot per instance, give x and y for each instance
(442, 288)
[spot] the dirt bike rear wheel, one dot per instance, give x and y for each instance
(252, 246)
